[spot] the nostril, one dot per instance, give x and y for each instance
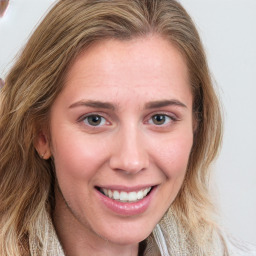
(3, 6)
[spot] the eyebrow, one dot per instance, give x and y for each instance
(93, 104)
(107, 105)
(165, 103)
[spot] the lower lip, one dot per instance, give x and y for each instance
(127, 209)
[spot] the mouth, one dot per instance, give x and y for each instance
(124, 196)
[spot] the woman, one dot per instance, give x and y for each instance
(108, 125)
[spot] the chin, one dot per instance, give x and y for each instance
(124, 235)
(127, 239)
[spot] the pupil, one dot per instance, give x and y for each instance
(159, 119)
(94, 120)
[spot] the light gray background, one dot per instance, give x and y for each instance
(228, 31)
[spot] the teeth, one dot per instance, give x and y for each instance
(123, 196)
(126, 196)
(109, 193)
(105, 191)
(116, 195)
(140, 195)
(132, 197)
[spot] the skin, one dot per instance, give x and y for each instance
(126, 149)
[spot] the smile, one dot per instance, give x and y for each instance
(123, 196)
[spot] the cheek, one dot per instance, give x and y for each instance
(173, 155)
(78, 157)
(173, 160)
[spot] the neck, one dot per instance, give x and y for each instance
(78, 239)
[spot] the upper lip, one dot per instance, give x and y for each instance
(126, 188)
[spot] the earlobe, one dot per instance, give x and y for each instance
(42, 145)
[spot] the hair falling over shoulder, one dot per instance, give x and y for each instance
(36, 79)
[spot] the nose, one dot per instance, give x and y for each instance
(129, 153)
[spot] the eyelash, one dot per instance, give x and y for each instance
(164, 116)
(150, 121)
(86, 117)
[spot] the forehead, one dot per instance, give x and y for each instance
(150, 63)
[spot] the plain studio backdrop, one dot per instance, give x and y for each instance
(228, 31)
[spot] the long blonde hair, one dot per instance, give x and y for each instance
(26, 181)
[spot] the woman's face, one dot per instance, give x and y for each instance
(121, 135)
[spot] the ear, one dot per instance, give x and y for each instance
(42, 145)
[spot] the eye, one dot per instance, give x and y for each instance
(160, 119)
(94, 120)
